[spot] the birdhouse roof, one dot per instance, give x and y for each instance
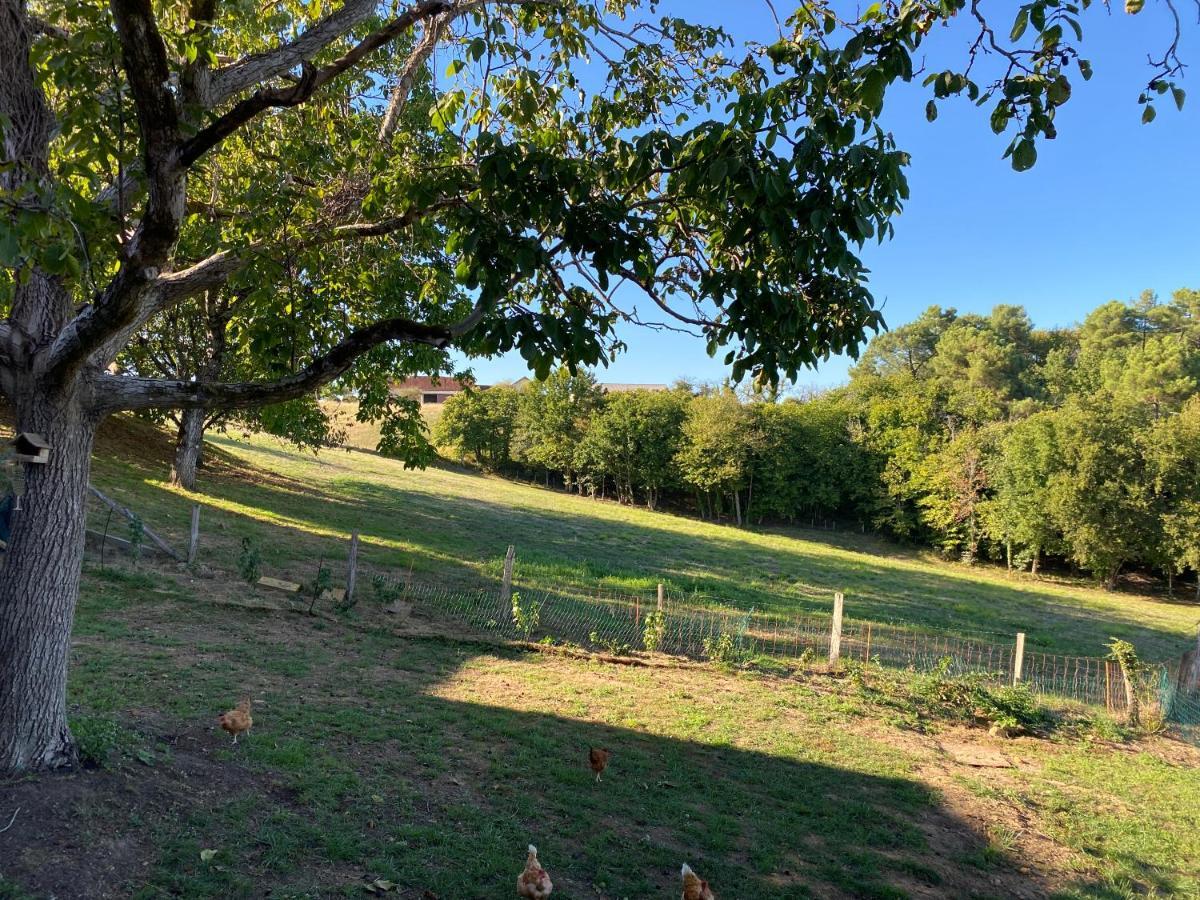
(29, 438)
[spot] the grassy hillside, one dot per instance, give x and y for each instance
(392, 759)
(452, 526)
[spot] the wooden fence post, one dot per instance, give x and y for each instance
(661, 594)
(506, 584)
(351, 570)
(835, 633)
(194, 543)
(1019, 658)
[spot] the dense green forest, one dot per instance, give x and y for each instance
(979, 435)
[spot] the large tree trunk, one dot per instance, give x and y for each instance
(39, 585)
(189, 447)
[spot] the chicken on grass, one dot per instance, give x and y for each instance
(533, 882)
(598, 760)
(695, 887)
(237, 721)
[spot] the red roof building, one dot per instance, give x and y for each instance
(430, 389)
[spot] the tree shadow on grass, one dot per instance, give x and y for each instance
(368, 762)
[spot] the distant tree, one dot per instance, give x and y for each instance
(719, 439)
(479, 424)
(634, 440)
(1019, 513)
(552, 418)
(806, 464)
(1102, 496)
(955, 482)
(1173, 448)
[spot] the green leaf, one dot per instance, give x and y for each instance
(931, 111)
(1000, 117)
(1059, 90)
(1179, 96)
(1148, 114)
(1024, 155)
(1021, 23)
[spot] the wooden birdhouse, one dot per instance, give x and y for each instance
(30, 448)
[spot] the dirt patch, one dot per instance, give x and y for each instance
(91, 833)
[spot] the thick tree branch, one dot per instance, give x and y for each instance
(144, 56)
(214, 271)
(124, 392)
(312, 79)
(429, 40)
(231, 80)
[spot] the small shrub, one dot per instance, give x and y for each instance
(654, 630)
(1143, 709)
(611, 645)
(137, 536)
(386, 591)
(322, 581)
(250, 561)
(525, 618)
(724, 650)
(98, 739)
(971, 697)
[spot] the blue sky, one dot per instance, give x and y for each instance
(1111, 208)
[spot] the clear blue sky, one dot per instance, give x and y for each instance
(1111, 208)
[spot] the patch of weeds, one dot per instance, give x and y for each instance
(250, 561)
(724, 650)
(970, 698)
(100, 739)
(610, 645)
(386, 591)
(526, 618)
(1001, 841)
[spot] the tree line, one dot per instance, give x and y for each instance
(981, 436)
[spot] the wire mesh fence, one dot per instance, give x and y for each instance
(623, 623)
(1180, 704)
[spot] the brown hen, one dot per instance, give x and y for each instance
(533, 882)
(695, 887)
(598, 760)
(237, 721)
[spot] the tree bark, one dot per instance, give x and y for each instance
(39, 586)
(189, 447)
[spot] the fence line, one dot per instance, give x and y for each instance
(618, 623)
(703, 626)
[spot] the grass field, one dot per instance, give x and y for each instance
(430, 764)
(396, 758)
(452, 526)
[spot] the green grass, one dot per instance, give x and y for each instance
(452, 526)
(431, 764)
